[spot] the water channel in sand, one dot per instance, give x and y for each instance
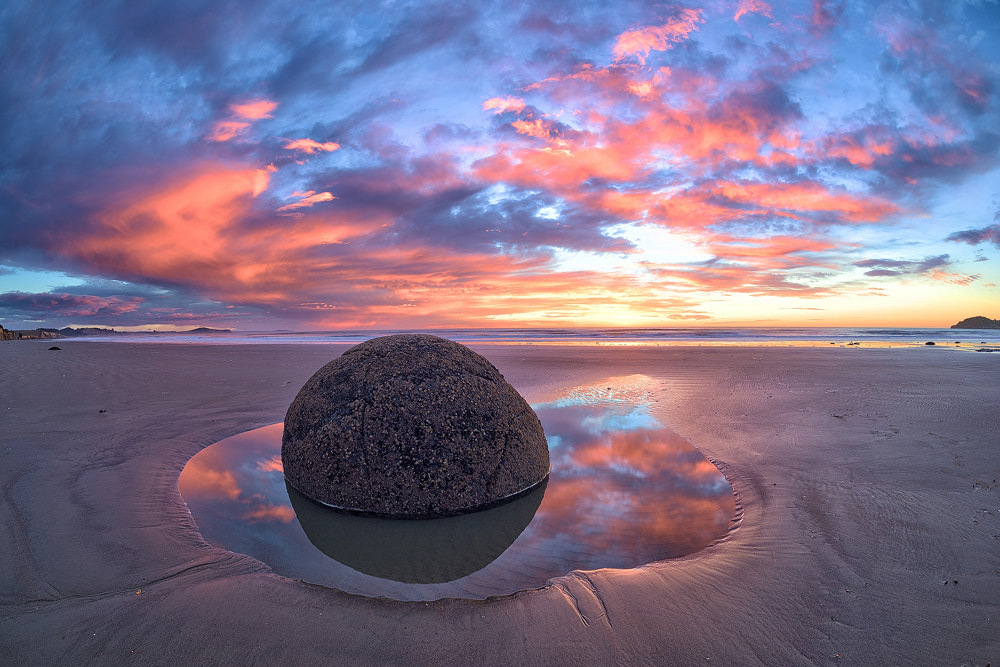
(624, 491)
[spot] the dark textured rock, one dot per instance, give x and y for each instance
(413, 426)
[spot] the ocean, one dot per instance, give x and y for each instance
(770, 336)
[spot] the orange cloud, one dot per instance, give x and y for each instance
(640, 41)
(724, 277)
(309, 146)
(203, 228)
(701, 138)
(535, 128)
(861, 152)
(207, 476)
(569, 87)
(531, 296)
(262, 512)
(308, 198)
(237, 126)
(807, 196)
(563, 170)
(618, 151)
(753, 6)
(772, 253)
(503, 104)
(225, 130)
(254, 109)
(540, 129)
(272, 464)
(957, 279)
(181, 221)
(641, 88)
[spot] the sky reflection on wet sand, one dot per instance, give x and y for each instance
(624, 491)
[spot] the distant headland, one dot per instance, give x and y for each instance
(70, 332)
(977, 322)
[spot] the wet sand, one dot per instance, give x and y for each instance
(868, 485)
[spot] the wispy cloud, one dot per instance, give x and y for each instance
(895, 267)
(639, 42)
(752, 6)
(504, 104)
(254, 109)
(242, 116)
(309, 146)
(988, 234)
(305, 199)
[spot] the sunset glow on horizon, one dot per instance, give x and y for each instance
(317, 166)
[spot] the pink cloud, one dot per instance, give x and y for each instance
(641, 88)
(208, 476)
(263, 512)
(504, 104)
(178, 226)
(272, 464)
(202, 229)
(796, 199)
(540, 129)
(771, 253)
(639, 42)
(825, 15)
(752, 6)
(956, 278)
(254, 109)
(728, 277)
(860, 149)
(306, 199)
(240, 116)
(224, 130)
(703, 124)
(310, 146)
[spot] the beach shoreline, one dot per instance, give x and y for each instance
(866, 481)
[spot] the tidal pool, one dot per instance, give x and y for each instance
(624, 491)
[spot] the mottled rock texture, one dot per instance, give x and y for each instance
(413, 426)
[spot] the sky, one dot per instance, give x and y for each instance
(266, 165)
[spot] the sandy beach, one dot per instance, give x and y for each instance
(867, 482)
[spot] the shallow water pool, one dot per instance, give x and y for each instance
(624, 491)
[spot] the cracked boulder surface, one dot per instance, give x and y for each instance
(411, 426)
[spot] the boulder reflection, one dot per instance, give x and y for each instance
(624, 491)
(425, 551)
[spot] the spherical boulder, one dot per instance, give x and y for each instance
(411, 426)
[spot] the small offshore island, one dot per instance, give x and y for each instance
(977, 322)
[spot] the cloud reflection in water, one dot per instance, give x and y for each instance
(624, 491)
